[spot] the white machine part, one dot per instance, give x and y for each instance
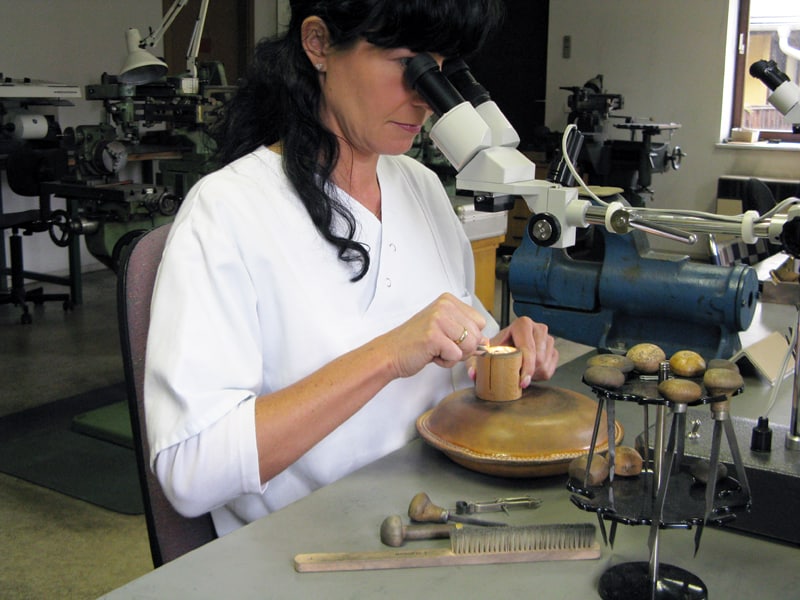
(786, 98)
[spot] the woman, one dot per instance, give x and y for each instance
(316, 294)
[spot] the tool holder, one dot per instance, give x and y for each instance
(665, 495)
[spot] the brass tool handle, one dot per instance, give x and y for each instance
(423, 510)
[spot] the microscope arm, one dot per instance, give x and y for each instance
(480, 143)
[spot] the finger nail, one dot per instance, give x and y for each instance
(471, 373)
(526, 381)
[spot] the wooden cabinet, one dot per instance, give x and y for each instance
(485, 254)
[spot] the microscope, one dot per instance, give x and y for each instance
(785, 95)
(620, 293)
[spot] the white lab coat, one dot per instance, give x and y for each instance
(249, 299)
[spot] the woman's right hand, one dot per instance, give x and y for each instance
(446, 332)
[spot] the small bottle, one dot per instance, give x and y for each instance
(761, 441)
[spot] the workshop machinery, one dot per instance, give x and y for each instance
(606, 161)
(158, 122)
(585, 267)
(164, 123)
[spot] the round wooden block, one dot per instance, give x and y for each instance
(535, 436)
(497, 374)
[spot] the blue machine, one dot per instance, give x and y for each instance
(616, 296)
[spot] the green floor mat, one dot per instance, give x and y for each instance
(41, 446)
(111, 423)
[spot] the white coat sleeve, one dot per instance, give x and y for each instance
(196, 478)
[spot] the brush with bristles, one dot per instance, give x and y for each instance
(470, 546)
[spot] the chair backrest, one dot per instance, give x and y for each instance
(170, 534)
(757, 196)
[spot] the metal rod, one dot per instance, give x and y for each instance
(594, 442)
(596, 215)
(658, 447)
(646, 452)
(671, 233)
(658, 506)
(793, 435)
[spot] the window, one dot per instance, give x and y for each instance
(768, 30)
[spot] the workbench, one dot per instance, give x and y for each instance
(256, 561)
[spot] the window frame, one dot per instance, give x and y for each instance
(741, 73)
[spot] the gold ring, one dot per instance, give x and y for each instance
(464, 335)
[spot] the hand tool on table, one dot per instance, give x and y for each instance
(497, 505)
(470, 546)
(422, 510)
(395, 533)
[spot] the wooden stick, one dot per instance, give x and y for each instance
(429, 557)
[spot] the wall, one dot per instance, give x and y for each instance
(668, 60)
(74, 43)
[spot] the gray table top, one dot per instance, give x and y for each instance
(257, 561)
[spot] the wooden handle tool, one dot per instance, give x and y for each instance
(422, 510)
(395, 533)
(469, 546)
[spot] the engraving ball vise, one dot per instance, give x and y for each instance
(619, 297)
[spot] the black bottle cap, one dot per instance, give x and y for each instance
(761, 441)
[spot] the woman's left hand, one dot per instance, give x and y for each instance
(539, 355)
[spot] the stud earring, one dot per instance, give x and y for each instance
(320, 67)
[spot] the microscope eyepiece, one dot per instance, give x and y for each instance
(769, 73)
(457, 71)
(423, 74)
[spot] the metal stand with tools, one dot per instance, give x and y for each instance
(667, 494)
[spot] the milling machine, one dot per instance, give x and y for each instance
(163, 123)
(605, 161)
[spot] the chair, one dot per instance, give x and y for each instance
(171, 534)
(25, 168)
(757, 196)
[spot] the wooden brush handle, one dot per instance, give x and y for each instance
(428, 557)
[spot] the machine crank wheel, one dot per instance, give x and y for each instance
(60, 228)
(676, 157)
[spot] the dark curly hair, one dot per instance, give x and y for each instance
(279, 98)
